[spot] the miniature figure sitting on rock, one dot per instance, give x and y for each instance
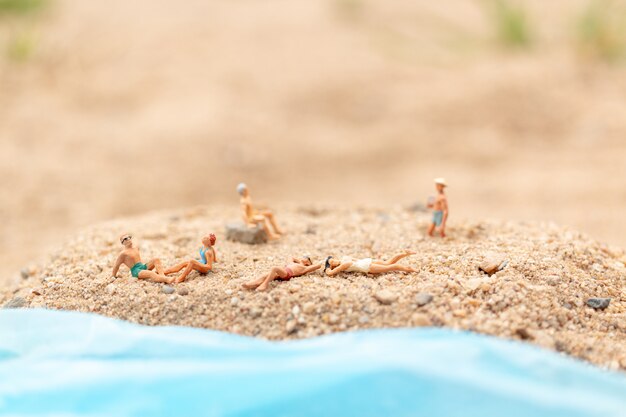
(252, 217)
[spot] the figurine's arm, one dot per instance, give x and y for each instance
(444, 203)
(214, 255)
(117, 265)
(340, 268)
(312, 268)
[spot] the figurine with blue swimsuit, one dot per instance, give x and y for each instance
(439, 205)
(203, 265)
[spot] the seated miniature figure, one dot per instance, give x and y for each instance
(366, 265)
(439, 205)
(132, 259)
(252, 217)
(203, 265)
(294, 268)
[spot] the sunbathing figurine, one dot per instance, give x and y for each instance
(296, 267)
(252, 217)
(132, 259)
(203, 265)
(366, 265)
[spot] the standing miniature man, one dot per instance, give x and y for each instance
(439, 205)
(132, 259)
(252, 217)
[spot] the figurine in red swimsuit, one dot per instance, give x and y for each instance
(294, 268)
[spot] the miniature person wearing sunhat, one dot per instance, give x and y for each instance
(439, 205)
(253, 217)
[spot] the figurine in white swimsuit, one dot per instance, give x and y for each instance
(366, 265)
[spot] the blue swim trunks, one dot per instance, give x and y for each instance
(438, 217)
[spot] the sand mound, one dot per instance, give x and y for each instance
(540, 296)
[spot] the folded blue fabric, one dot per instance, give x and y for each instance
(55, 363)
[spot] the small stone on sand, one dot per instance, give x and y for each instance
(598, 303)
(167, 289)
(385, 297)
(423, 298)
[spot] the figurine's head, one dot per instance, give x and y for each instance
(127, 240)
(242, 189)
(440, 183)
(331, 263)
(306, 260)
(209, 240)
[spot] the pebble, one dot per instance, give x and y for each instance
(308, 307)
(111, 289)
(25, 274)
(364, 319)
(295, 311)
(36, 291)
(255, 312)
(167, 289)
(598, 303)
(290, 327)
(423, 298)
(421, 320)
(183, 291)
(386, 297)
(15, 302)
(234, 301)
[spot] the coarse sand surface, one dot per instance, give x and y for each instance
(540, 296)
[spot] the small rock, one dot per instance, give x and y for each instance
(295, 311)
(255, 312)
(183, 291)
(228, 292)
(308, 307)
(110, 289)
(423, 298)
(523, 333)
(421, 320)
(167, 289)
(172, 297)
(598, 303)
(290, 327)
(364, 320)
(36, 291)
(385, 297)
(16, 302)
(239, 232)
(25, 274)
(234, 301)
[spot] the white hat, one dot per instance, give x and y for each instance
(242, 186)
(441, 181)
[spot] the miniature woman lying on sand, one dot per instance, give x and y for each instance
(202, 265)
(294, 268)
(366, 265)
(132, 259)
(254, 217)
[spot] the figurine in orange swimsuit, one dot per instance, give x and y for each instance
(296, 267)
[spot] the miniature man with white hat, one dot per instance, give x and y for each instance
(439, 205)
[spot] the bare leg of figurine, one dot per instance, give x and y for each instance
(270, 216)
(274, 273)
(153, 276)
(431, 229)
(394, 259)
(193, 265)
(266, 226)
(176, 268)
(156, 264)
(381, 269)
(255, 283)
(442, 232)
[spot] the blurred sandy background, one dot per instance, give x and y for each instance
(111, 108)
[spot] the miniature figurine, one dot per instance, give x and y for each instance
(252, 217)
(203, 265)
(439, 205)
(366, 265)
(132, 259)
(294, 268)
